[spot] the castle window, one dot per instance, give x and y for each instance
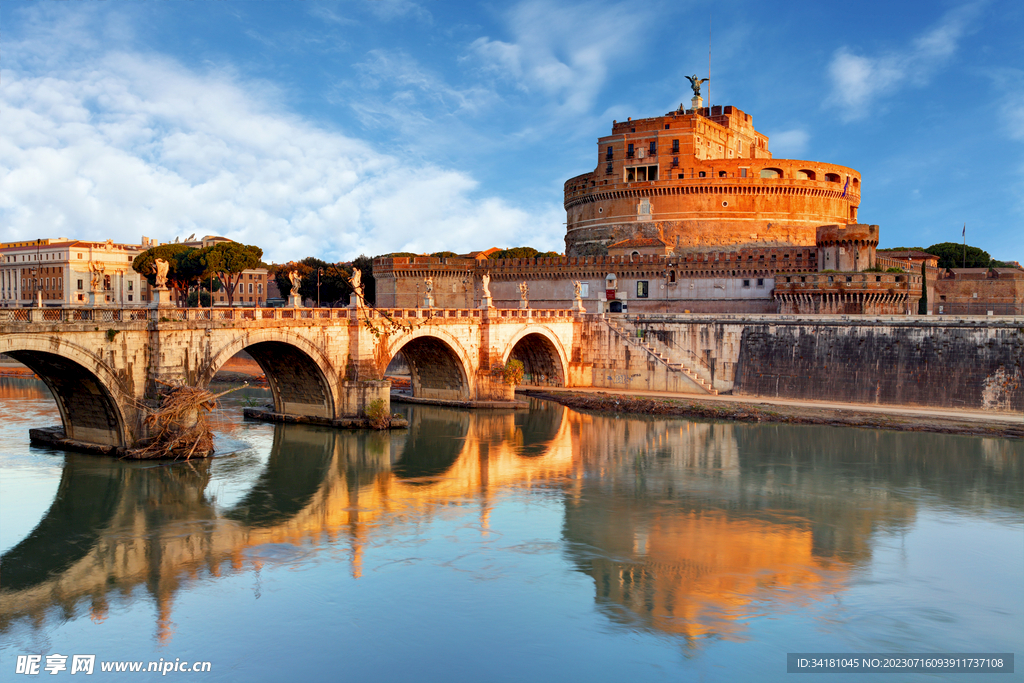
(675, 162)
(641, 289)
(630, 175)
(671, 276)
(760, 282)
(804, 174)
(609, 154)
(803, 279)
(722, 174)
(746, 283)
(849, 278)
(629, 152)
(608, 169)
(702, 174)
(653, 148)
(832, 177)
(771, 173)
(675, 146)
(743, 173)
(878, 278)
(666, 126)
(80, 284)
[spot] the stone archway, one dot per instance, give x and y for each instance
(543, 365)
(87, 394)
(301, 382)
(437, 371)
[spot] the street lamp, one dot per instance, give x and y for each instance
(319, 271)
(38, 281)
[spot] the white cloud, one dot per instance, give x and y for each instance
(788, 143)
(562, 51)
(858, 81)
(132, 145)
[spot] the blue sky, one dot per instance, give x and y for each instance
(339, 128)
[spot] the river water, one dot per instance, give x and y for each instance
(532, 545)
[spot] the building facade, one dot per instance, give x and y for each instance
(63, 272)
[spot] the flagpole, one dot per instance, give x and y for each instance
(965, 245)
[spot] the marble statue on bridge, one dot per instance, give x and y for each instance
(485, 284)
(160, 267)
(295, 299)
(356, 281)
(524, 295)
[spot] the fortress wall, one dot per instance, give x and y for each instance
(965, 363)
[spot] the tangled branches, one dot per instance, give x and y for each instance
(179, 429)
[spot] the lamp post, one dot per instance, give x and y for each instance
(319, 271)
(38, 281)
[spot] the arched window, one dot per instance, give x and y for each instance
(805, 174)
(832, 177)
(771, 172)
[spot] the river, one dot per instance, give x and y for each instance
(531, 545)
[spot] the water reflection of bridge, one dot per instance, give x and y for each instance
(666, 555)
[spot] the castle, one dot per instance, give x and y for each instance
(702, 180)
(686, 212)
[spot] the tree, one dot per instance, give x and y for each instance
(178, 277)
(334, 281)
(951, 255)
(522, 252)
(228, 260)
(444, 254)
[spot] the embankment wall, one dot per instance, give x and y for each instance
(949, 362)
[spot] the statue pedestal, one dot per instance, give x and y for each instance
(697, 103)
(39, 298)
(487, 302)
(524, 304)
(160, 297)
(294, 300)
(577, 306)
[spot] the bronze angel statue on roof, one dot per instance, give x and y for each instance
(695, 83)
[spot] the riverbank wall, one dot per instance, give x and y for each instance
(969, 362)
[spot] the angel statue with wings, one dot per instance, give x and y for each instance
(695, 83)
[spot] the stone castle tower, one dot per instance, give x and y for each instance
(702, 179)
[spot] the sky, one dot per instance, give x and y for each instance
(339, 128)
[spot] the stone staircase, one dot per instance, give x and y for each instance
(628, 334)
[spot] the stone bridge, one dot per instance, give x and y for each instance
(103, 365)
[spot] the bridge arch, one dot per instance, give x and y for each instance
(89, 395)
(301, 378)
(541, 353)
(437, 364)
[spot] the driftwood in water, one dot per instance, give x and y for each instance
(179, 428)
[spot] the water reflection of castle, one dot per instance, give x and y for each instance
(682, 526)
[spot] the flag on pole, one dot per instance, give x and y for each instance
(846, 186)
(965, 231)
